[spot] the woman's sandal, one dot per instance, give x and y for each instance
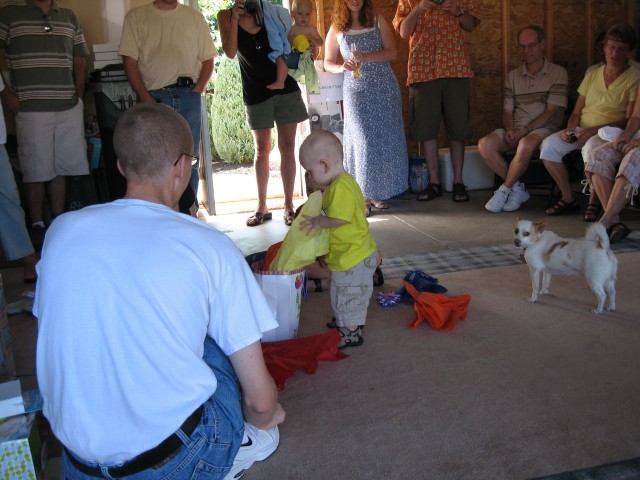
(460, 193)
(379, 204)
(592, 213)
(432, 191)
(258, 218)
(562, 207)
(618, 232)
(288, 218)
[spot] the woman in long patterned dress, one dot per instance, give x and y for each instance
(375, 149)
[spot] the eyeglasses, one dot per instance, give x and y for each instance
(194, 159)
(528, 46)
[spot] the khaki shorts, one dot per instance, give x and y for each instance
(432, 101)
(351, 291)
(542, 133)
(51, 144)
(281, 109)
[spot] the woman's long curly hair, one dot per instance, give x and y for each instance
(341, 18)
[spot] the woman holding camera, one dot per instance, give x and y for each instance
(606, 97)
(243, 33)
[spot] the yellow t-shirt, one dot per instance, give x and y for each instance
(605, 105)
(352, 242)
(166, 43)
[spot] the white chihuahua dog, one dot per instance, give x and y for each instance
(546, 253)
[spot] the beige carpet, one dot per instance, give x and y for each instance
(515, 391)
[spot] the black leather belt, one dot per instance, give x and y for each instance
(148, 459)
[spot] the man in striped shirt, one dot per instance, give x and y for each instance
(46, 55)
(535, 98)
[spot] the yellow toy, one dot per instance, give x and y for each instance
(300, 44)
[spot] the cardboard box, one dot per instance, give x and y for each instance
(7, 367)
(20, 448)
(475, 173)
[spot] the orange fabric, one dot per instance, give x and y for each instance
(283, 358)
(272, 251)
(441, 312)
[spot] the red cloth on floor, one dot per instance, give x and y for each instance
(441, 312)
(283, 358)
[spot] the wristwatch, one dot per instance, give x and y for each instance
(462, 10)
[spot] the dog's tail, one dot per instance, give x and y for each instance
(597, 233)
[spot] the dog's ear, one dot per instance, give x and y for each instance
(540, 226)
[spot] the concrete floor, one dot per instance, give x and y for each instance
(409, 226)
(406, 227)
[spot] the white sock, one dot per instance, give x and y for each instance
(38, 224)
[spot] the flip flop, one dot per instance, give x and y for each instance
(258, 218)
(288, 218)
(380, 205)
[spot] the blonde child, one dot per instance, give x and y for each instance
(353, 255)
(301, 16)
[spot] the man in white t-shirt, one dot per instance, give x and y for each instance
(149, 327)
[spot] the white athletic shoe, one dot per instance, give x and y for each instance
(518, 196)
(256, 446)
(23, 305)
(500, 196)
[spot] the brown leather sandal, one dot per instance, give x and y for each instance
(460, 193)
(592, 213)
(562, 207)
(258, 218)
(432, 191)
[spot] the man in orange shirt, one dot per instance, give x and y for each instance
(439, 69)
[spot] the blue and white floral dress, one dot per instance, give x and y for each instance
(375, 149)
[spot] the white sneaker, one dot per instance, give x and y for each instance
(24, 305)
(518, 196)
(500, 196)
(256, 446)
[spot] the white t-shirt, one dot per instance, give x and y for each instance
(126, 293)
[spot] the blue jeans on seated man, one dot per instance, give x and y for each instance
(188, 104)
(210, 450)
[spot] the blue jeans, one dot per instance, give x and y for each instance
(209, 452)
(13, 230)
(188, 104)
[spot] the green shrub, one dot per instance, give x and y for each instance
(229, 131)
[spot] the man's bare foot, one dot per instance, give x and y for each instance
(276, 85)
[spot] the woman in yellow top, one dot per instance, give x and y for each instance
(606, 98)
